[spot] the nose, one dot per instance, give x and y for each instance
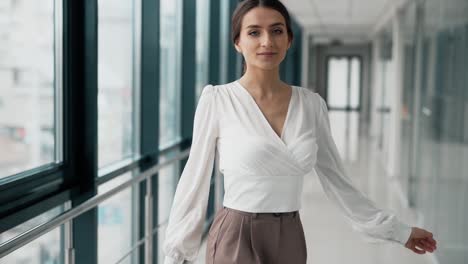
(267, 40)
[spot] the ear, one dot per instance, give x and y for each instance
(237, 47)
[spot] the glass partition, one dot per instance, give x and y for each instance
(27, 85)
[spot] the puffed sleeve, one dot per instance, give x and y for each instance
(188, 211)
(373, 224)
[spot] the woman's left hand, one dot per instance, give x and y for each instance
(421, 241)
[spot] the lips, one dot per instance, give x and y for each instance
(267, 53)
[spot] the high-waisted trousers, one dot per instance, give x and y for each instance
(238, 237)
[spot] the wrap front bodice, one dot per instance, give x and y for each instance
(262, 171)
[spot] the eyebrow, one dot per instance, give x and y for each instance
(272, 25)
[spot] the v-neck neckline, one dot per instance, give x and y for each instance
(280, 137)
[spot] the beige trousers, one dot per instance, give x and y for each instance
(238, 237)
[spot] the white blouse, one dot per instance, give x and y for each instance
(262, 171)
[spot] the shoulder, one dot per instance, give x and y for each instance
(209, 90)
(217, 90)
(209, 93)
(311, 96)
(317, 102)
(207, 99)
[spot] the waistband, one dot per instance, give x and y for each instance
(263, 215)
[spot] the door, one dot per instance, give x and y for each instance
(343, 92)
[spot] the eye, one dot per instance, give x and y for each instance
(278, 31)
(253, 33)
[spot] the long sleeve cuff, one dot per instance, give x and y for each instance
(402, 233)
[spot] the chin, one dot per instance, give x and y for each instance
(267, 67)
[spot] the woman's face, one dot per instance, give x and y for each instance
(263, 39)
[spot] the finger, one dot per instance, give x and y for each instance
(418, 251)
(420, 244)
(429, 234)
(429, 246)
(425, 245)
(431, 241)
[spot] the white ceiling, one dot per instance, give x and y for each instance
(343, 19)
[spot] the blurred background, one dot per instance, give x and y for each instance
(95, 93)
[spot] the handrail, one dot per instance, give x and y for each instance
(19, 241)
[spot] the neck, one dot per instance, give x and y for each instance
(263, 83)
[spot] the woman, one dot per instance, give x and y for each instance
(268, 135)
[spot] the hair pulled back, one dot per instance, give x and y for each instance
(244, 6)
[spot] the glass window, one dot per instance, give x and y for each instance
(115, 80)
(439, 171)
(117, 223)
(344, 87)
(170, 48)
(407, 96)
(386, 83)
(167, 183)
(337, 82)
(344, 81)
(44, 250)
(354, 81)
(202, 49)
(47, 249)
(27, 85)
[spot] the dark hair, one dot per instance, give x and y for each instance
(244, 6)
